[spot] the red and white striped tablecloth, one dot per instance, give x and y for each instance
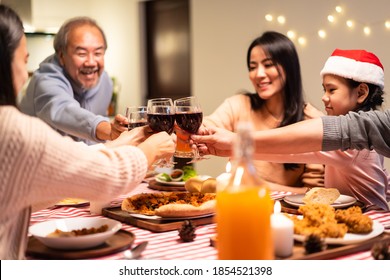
(167, 245)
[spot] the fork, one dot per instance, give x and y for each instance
(135, 252)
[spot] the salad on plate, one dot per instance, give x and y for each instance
(177, 175)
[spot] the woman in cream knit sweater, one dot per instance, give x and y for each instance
(39, 166)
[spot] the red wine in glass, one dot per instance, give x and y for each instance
(189, 121)
(161, 122)
(161, 117)
(137, 124)
(137, 116)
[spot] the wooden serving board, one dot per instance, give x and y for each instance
(334, 251)
(118, 214)
(331, 252)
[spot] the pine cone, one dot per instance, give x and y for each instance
(381, 251)
(314, 243)
(187, 231)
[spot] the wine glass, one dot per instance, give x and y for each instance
(137, 116)
(189, 116)
(161, 117)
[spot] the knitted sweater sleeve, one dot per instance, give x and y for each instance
(363, 130)
(41, 165)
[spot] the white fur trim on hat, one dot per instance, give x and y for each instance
(356, 70)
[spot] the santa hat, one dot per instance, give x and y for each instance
(358, 65)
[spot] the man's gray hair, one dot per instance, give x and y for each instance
(61, 39)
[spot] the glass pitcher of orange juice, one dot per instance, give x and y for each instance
(244, 208)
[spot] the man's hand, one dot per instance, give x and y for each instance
(118, 125)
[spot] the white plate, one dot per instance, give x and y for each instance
(72, 202)
(41, 230)
(350, 238)
(181, 183)
(341, 202)
(171, 183)
(146, 217)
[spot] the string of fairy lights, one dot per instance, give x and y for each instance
(337, 15)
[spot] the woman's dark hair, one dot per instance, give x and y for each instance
(281, 50)
(11, 32)
(374, 98)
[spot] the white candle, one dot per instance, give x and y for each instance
(223, 179)
(282, 232)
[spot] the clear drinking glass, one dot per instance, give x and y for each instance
(137, 116)
(189, 116)
(161, 117)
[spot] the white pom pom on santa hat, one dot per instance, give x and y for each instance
(358, 65)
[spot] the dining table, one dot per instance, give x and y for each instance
(167, 245)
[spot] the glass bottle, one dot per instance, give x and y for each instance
(244, 207)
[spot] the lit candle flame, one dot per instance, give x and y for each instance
(228, 167)
(277, 207)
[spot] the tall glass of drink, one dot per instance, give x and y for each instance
(189, 117)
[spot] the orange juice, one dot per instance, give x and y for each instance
(183, 148)
(182, 141)
(243, 224)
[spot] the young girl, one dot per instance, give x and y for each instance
(274, 71)
(353, 80)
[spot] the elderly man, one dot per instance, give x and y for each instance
(71, 91)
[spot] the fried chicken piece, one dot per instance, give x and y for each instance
(318, 219)
(303, 227)
(355, 220)
(350, 211)
(333, 230)
(318, 214)
(324, 221)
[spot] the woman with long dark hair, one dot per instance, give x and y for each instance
(275, 73)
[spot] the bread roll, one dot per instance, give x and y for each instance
(209, 186)
(321, 196)
(194, 184)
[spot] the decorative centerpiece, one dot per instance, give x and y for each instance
(187, 231)
(313, 244)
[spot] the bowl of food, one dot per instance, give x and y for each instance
(75, 233)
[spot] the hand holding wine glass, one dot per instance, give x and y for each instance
(215, 141)
(157, 146)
